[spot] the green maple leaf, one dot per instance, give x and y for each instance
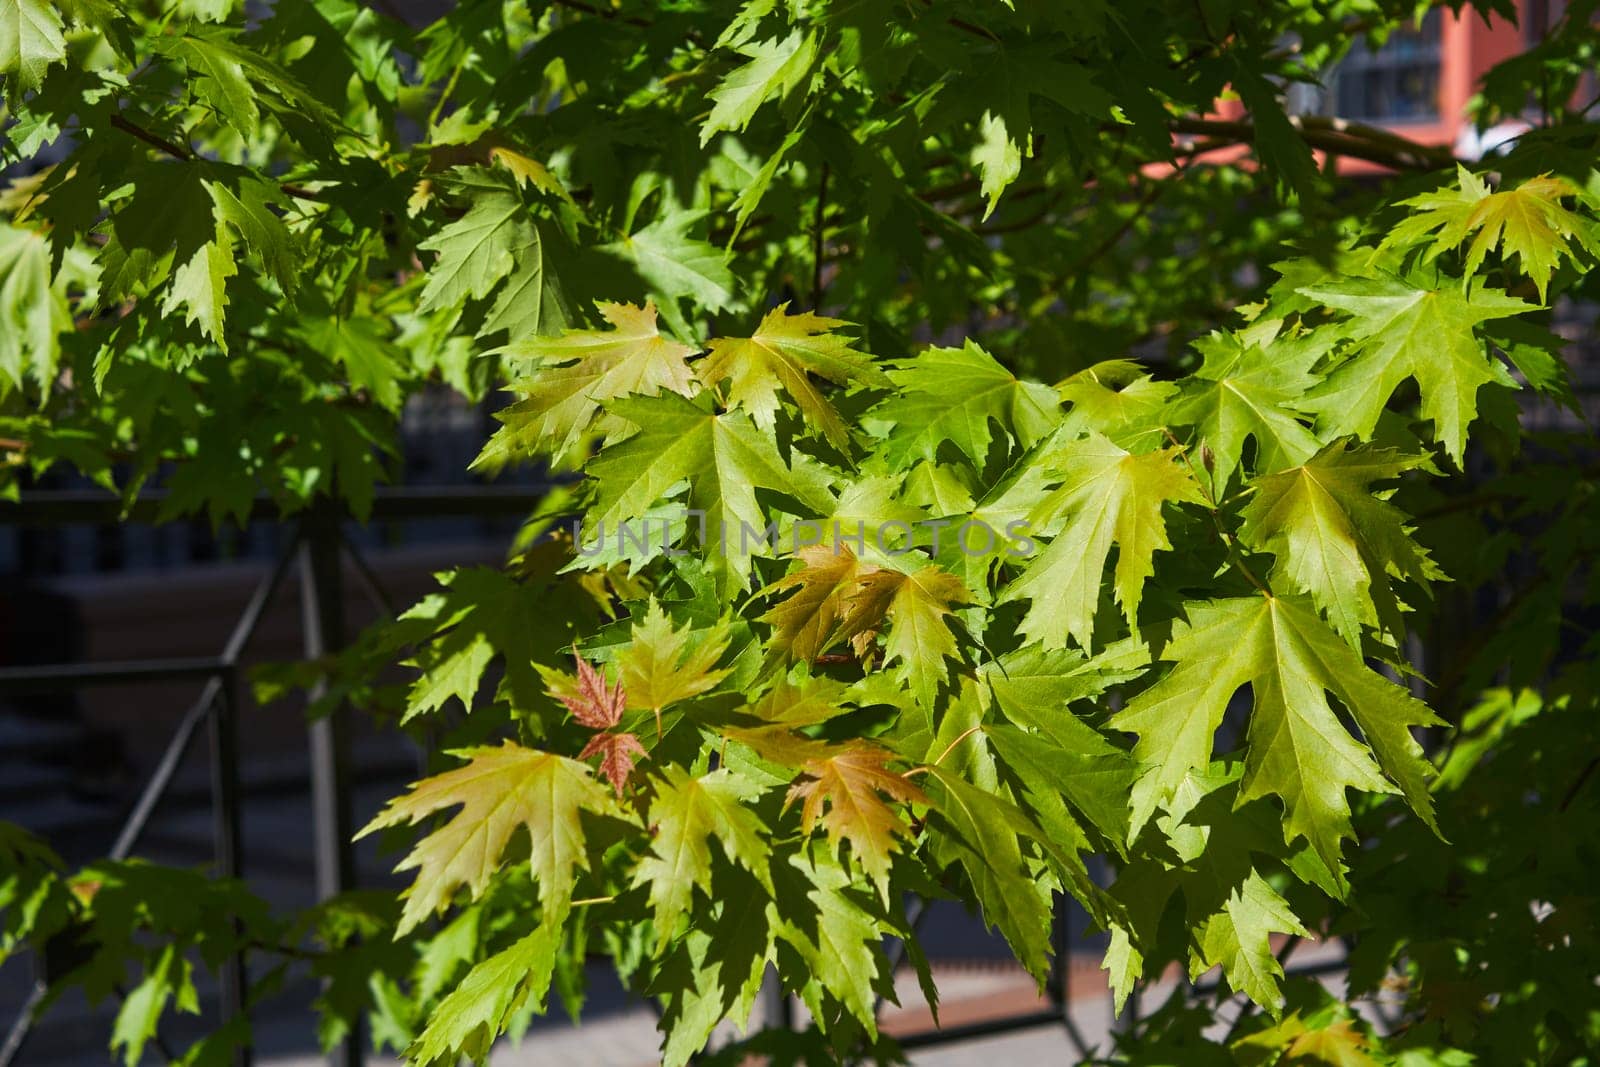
(998, 158)
(482, 1007)
(658, 668)
(1232, 912)
(687, 814)
(498, 791)
(1297, 748)
(716, 970)
(783, 353)
(477, 250)
(1279, 146)
(199, 286)
(31, 41)
(984, 833)
(1401, 330)
(217, 72)
(725, 460)
(370, 359)
(776, 68)
(919, 639)
(1250, 387)
(1118, 400)
(1528, 222)
(1334, 539)
(839, 940)
(34, 312)
(675, 266)
(499, 244)
(951, 395)
(1107, 496)
(574, 374)
(1050, 748)
(486, 613)
(170, 979)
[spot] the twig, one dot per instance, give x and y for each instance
(174, 150)
(590, 9)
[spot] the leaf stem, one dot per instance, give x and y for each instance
(951, 747)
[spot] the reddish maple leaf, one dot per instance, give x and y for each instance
(590, 702)
(616, 752)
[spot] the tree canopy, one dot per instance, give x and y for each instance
(985, 473)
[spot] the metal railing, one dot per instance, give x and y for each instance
(318, 546)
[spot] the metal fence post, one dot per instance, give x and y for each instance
(322, 607)
(226, 831)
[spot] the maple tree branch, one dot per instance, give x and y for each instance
(183, 155)
(590, 9)
(1331, 134)
(156, 141)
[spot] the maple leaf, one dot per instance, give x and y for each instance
(33, 309)
(1527, 221)
(574, 374)
(998, 158)
(1107, 496)
(587, 696)
(660, 669)
(1250, 387)
(1334, 539)
(985, 836)
(1117, 399)
(1050, 748)
(1401, 330)
(1232, 911)
(617, 752)
(687, 814)
(951, 395)
(498, 790)
(822, 915)
(475, 251)
(844, 792)
(783, 353)
(1297, 747)
(776, 68)
(1290, 1041)
(825, 607)
(31, 41)
(482, 1006)
(916, 606)
(724, 458)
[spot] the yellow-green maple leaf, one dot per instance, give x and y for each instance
(1107, 496)
(571, 376)
(1527, 221)
(498, 790)
(1408, 328)
(916, 606)
(783, 353)
(686, 814)
(659, 668)
(1336, 540)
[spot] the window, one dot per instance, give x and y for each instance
(1398, 82)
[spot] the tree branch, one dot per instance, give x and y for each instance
(157, 142)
